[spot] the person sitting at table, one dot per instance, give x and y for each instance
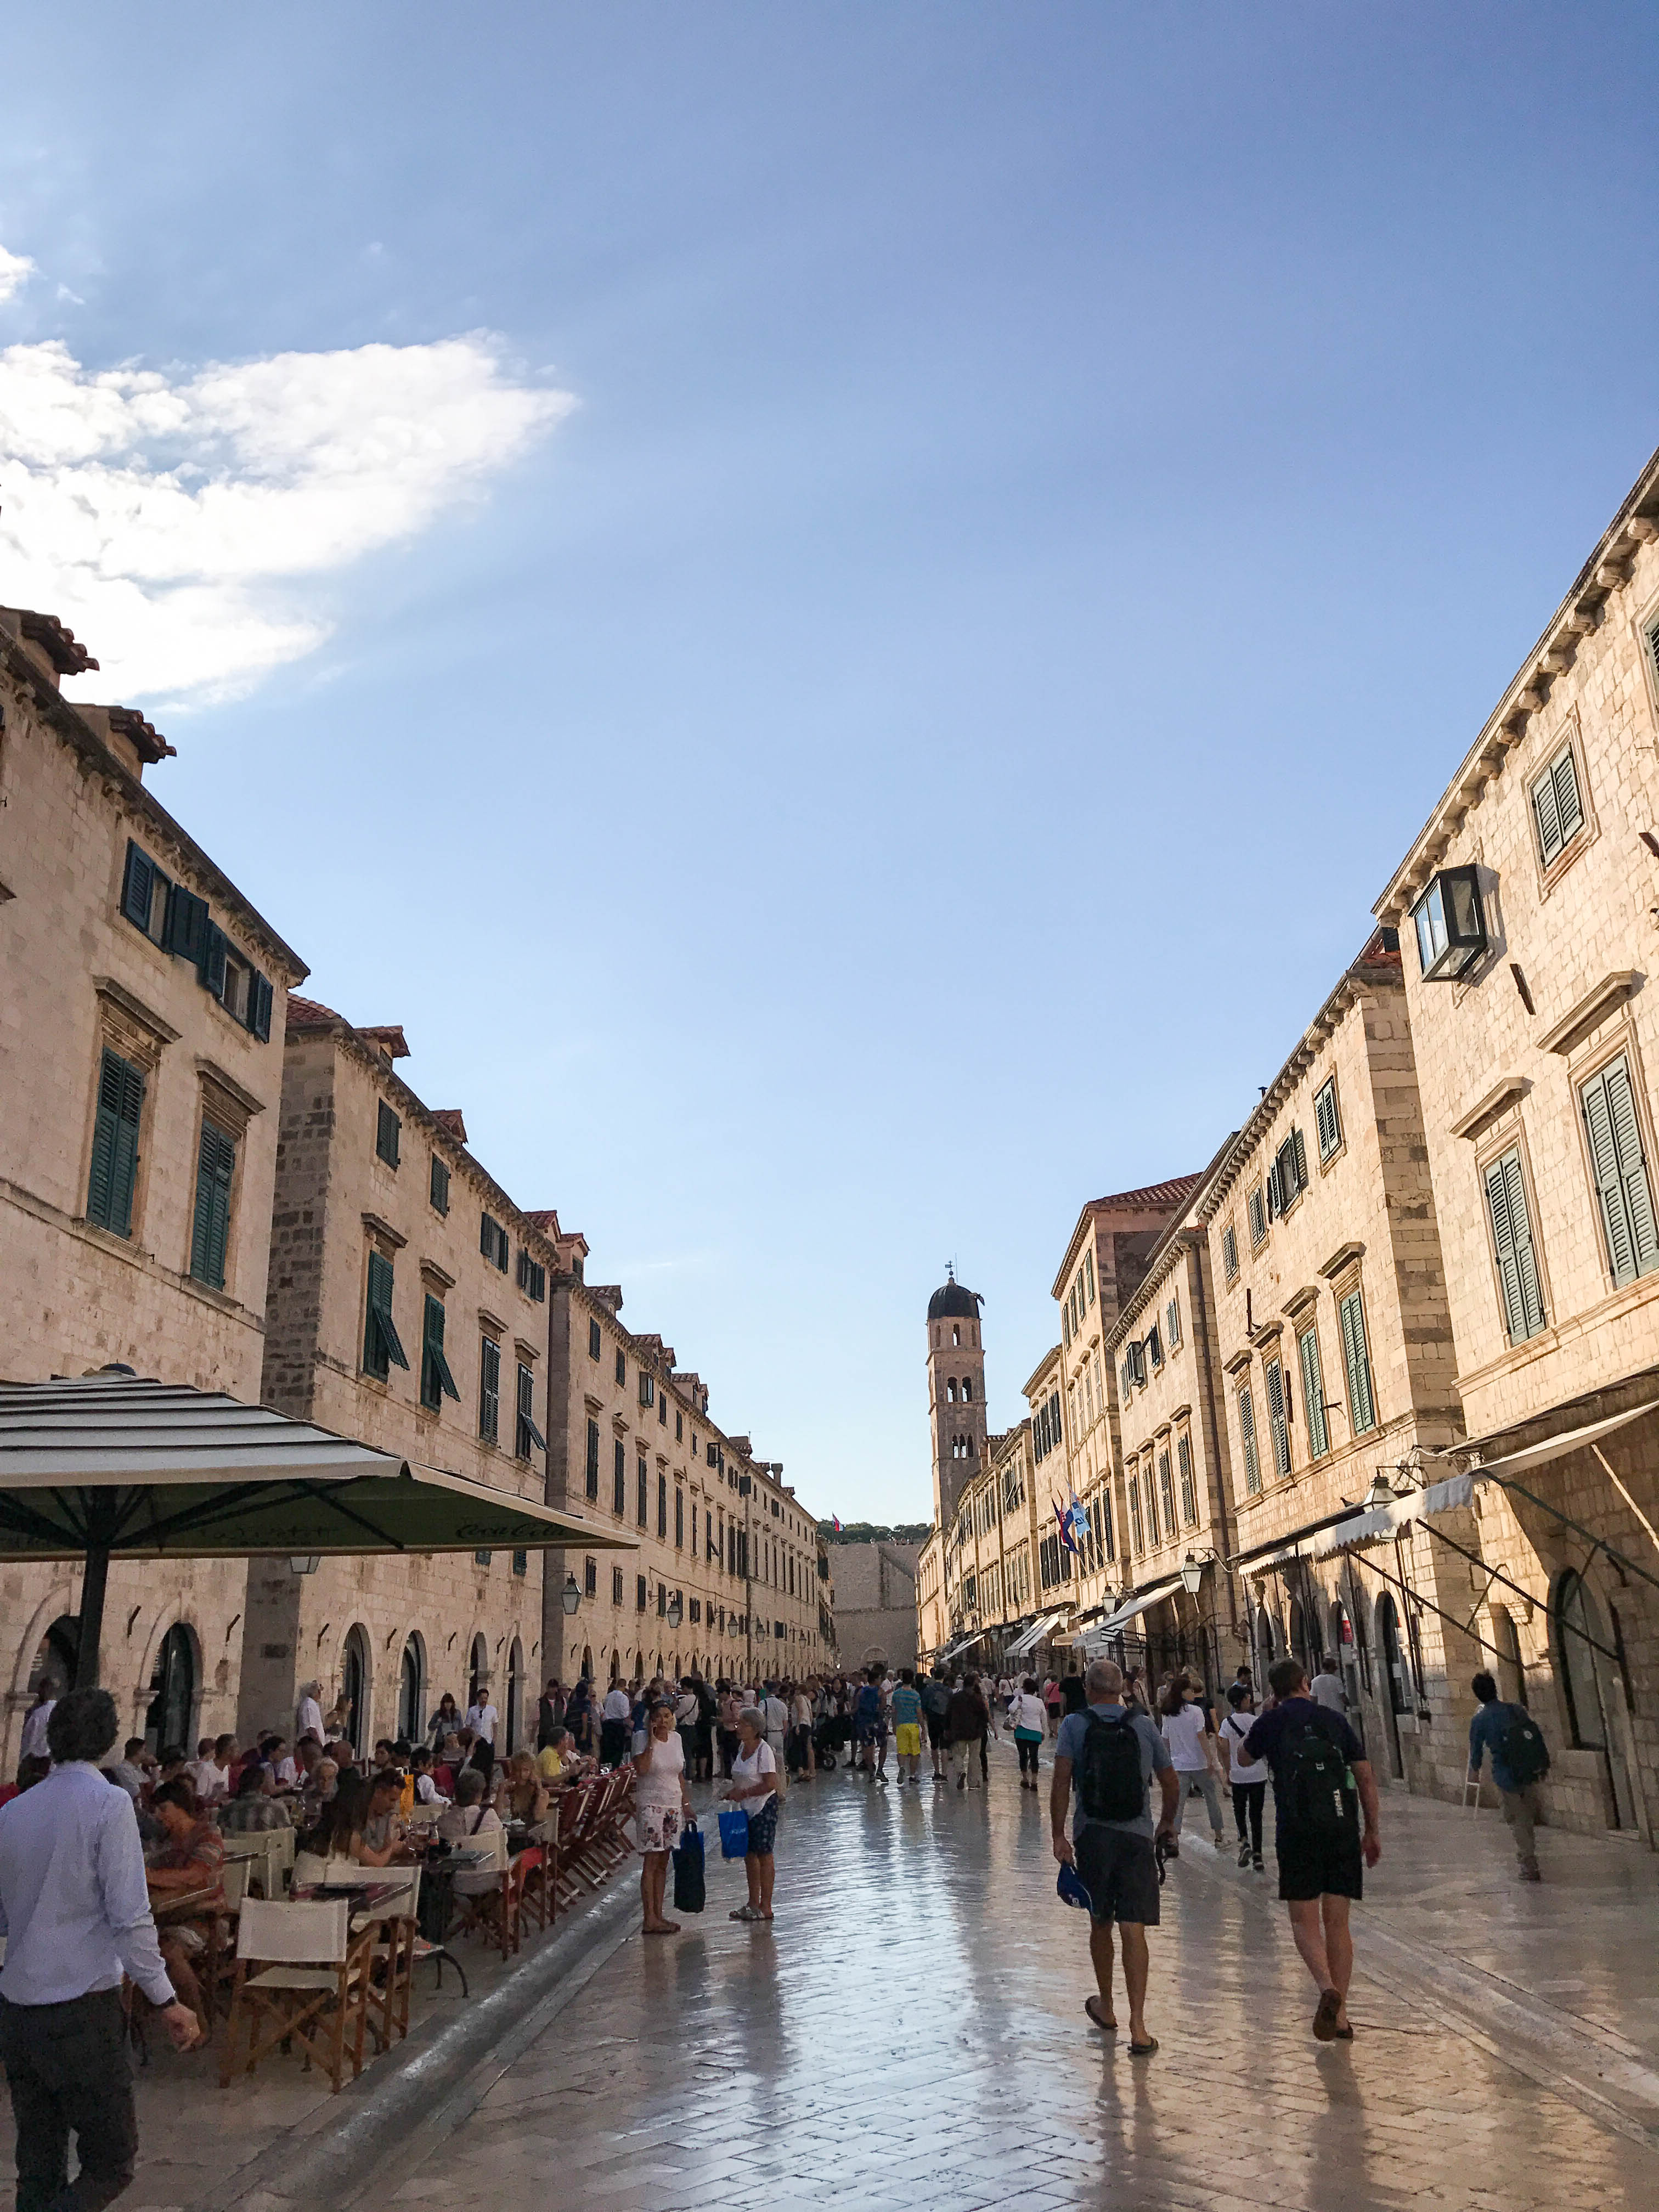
(340, 1824)
(471, 1823)
(35, 1768)
(384, 1838)
(445, 1722)
(318, 1792)
(482, 1756)
(254, 1808)
(213, 1773)
(384, 1756)
(423, 1782)
(193, 1858)
(524, 1791)
(446, 1765)
(552, 1759)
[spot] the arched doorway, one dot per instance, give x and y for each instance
(1266, 1653)
(1589, 1688)
(411, 1691)
(514, 1695)
(1394, 1684)
(56, 1658)
(587, 1663)
(1339, 1631)
(616, 1666)
(355, 1687)
(169, 1723)
(478, 1672)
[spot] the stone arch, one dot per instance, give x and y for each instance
(59, 1600)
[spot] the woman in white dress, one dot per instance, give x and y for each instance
(662, 1805)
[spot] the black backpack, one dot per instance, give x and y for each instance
(1524, 1749)
(1322, 1799)
(1110, 1784)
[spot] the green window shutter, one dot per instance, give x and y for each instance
(137, 887)
(1564, 777)
(259, 999)
(382, 1346)
(592, 1483)
(1548, 813)
(1166, 1491)
(1188, 1496)
(437, 1382)
(1247, 1433)
(619, 1479)
(1512, 1246)
(215, 1168)
(1328, 1129)
(1622, 1186)
(186, 926)
(1313, 1394)
(1362, 1407)
(1278, 1427)
(114, 1177)
(489, 1389)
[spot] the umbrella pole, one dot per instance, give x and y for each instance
(95, 1581)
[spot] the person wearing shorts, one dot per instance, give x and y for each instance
(936, 1705)
(1115, 1860)
(1320, 1872)
(907, 1727)
(662, 1806)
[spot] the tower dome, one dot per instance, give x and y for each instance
(951, 1301)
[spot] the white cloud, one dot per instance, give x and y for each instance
(184, 523)
(15, 269)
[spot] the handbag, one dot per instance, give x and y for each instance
(734, 1832)
(689, 1888)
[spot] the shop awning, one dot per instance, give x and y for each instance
(1034, 1635)
(1557, 1446)
(961, 1644)
(1380, 1522)
(1132, 1608)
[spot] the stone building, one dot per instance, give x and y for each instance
(1334, 1345)
(407, 1307)
(730, 1576)
(141, 1025)
(876, 1602)
(1527, 907)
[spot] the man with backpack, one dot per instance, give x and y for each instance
(1520, 1760)
(1108, 1754)
(1322, 1781)
(936, 1708)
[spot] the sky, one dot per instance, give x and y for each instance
(840, 609)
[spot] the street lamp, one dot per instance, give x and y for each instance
(676, 1611)
(572, 1595)
(1451, 925)
(1192, 1574)
(306, 1563)
(1381, 1493)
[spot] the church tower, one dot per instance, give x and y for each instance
(955, 1393)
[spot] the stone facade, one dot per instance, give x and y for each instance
(126, 1064)
(1538, 1065)
(373, 1186)
(876, 1602)
(720, 1536)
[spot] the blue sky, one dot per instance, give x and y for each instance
(840, 609)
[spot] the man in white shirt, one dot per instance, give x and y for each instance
(1328, 1687)
(75, 1914)
(614, 1714)
(37, 1720)
(308, 1714)
(483, 1718)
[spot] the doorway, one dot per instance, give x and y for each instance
(514, 1695)
(1395, 1687)
(354, 1688)
(57, 1657)
(168, 1723)
(411, 1691)
(1590, 1692)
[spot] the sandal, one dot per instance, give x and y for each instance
(1144, 2050)
(1324, 2020)
(1107, 2026)
(743, 1913)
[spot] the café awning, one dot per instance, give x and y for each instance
(117, 1466)
(1114, 1623)
(1034, 1635)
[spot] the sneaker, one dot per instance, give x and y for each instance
(1530, 1874)
(1256, 1866)
(1244, 1855)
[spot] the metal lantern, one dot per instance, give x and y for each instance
(306, 1563)
(1192, 1574)
(1451, 925)
(571, 1595)
(676, 1611)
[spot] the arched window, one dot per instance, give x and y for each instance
(411, 1691)
(514, 1694)
(956, 1336)
(477, 1678)
(355, 1687)
(967, 1390)
(57, 1657)
(616, 1666)
(170, 1722)
(1576, 1623)
(950, 1393)
(587, 1663)
(638, 1665)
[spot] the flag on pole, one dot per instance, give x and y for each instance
(835, 1524)
(1078, 1517)
(1063, 1514)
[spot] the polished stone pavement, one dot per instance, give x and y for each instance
(909, 2033)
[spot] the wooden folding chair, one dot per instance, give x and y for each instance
(485, 1911)
(537, 1887)
(572, 1810)
(397, 1941)
(309, 1985)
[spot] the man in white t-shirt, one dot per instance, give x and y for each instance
(1328, 1687)
(483, 1718)
(308, 1714)
(615, 1716)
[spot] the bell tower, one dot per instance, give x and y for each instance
(955, 1393)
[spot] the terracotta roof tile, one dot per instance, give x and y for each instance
(312, 1014)
(1152, 1197)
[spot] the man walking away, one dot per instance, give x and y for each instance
(75, 1913)
(615, 1716)
(1319, 1769)
(969, 1716)
(1520, 1760)
(936, 1705)
(1073, 1695)
(550, 1715)
(907, 1727)
(1329, 1689)
(1109, 1754)
(1248, 1778)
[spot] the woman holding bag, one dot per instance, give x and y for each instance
(662, 1805)
(754, 1787)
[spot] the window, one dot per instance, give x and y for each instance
(1278, 1427)
(115, 1178)
(437, 1383)
(490, 1388)
(1166, 1491)
(526, 1434)
(648, 1387)
(1623, 1189)
(1154, 1346)
(1313, 1394)
(1189, 1494)
(622, 1367)
(615, 1585)
(382, 1349)
(1258, 1215)
(591, 1485)
(439, 1186)
(1089, 1274)
(1287, 1178)
(662, 1597)
(209, 1237)
(1362, 1404)
(1327, 1122)
(1451, 925)
(595, 1343)
(642, 1595)
(680, 1427)
(1247, 1434)
(662, 1409)
(662, 1506)
(1154, 1534)
(643, 1494)
(532, 1278)
(1557, 812)
(1172, 1320)
(1513, 1249)
(694, 1606)
(679, 1519)
(967, 1389)
(1136, 1528)
(387, 1127)
(144, 894)
(493, 1241)
(619, 1478)
(589, 1577)
(1229, 1251)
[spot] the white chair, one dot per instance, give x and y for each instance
(302, 1977)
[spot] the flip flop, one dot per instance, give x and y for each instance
(1107, 2026)
(1324, 2020)
(1144, 2050)
(743, 1912)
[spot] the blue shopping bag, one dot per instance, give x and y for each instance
(734, 1833)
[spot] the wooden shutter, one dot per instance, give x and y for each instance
(1547, 814)
(1188, 1496)
(1299, 1157)
(186, 924)
(1564, 777)
(1326, 1129)
(1247, 1436)
(437, 1381)
(1277, 1427)
(114, 1177)
(1512, 1247)
(382, 1347)
(1313, 1394)
(1362, 1408)
(137, 887)
(259, 998)
(592, 1484)
(216, 1166)
(211, 962)
(1166, 1491)
(619, 1478)
(1621, 1173)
